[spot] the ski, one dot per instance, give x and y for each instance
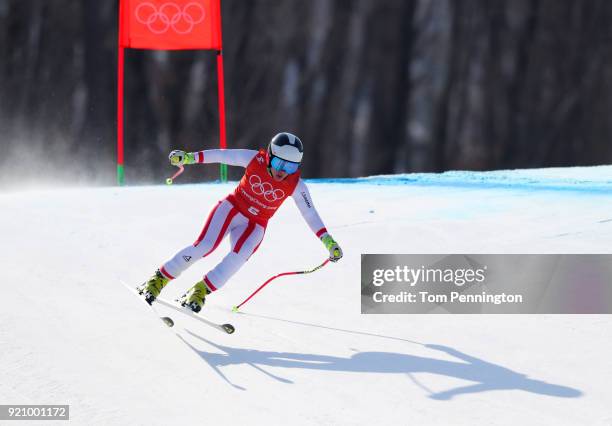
(226, 328)
(166, 320)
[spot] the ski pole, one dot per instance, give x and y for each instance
(171, 179)
(235, 308)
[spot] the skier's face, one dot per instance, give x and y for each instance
(278, 175)
(280, 169)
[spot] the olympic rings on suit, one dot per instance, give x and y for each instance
(265, 189)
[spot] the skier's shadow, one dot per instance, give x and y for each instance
(485, 376)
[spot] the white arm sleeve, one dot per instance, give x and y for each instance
(232, 157)
(302, 199)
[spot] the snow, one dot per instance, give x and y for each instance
(70, 333)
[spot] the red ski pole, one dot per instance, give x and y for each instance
(170, 180)
(235, 308)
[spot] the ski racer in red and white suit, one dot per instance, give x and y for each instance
(243, 215)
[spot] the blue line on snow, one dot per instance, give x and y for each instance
(475, 180)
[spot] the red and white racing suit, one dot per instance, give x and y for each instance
(243, 215)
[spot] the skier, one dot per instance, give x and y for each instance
(270, 177)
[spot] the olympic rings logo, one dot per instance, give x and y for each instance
(170, 16)
(265, 189)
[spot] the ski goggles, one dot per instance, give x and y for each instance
(281, 165)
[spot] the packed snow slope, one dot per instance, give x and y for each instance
(303, 354)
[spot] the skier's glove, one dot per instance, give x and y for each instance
(178, 157)
(335, 252)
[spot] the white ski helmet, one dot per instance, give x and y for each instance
(286, 146)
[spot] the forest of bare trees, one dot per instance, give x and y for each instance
(371, 86)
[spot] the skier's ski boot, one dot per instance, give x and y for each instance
(194, 299)
(151, 289)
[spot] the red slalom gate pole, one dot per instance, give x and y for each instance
(221, 94)
(120, 79)
(235, 308)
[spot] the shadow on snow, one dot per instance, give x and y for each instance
(486, 376)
